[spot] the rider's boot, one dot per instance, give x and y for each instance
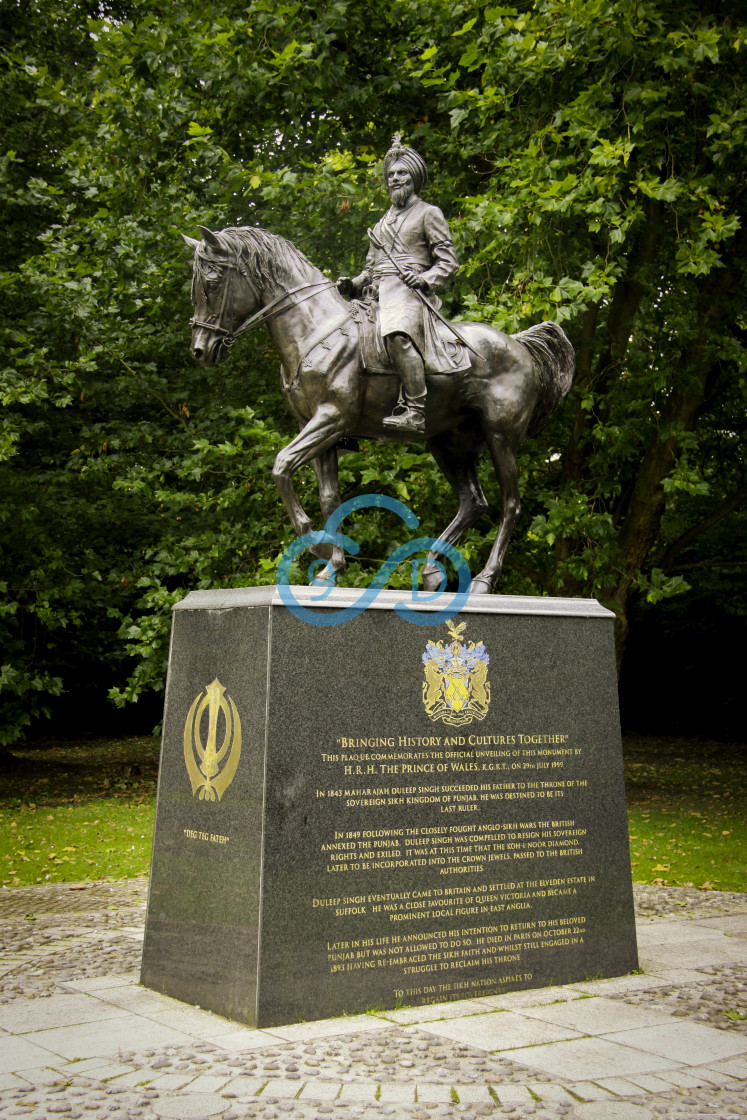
(411, 370)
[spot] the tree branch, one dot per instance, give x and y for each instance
(732, 502)
(149, 389)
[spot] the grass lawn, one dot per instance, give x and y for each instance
(78, 810)
(687, 812)
(71, 811)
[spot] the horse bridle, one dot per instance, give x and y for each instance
(258, 317)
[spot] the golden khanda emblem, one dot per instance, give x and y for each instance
(456, 690)
(212, 768)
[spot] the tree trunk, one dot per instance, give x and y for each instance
(639, 529)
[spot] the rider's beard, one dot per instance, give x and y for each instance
(400, 195)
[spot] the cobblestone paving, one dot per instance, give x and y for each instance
(719, 999)
(55, 933)
(52, 937)
(688, 902)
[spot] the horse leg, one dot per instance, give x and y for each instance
(320, 434)
(504, 461)
(459, 467)
(328, 480)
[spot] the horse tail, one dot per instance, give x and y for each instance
(555, 362)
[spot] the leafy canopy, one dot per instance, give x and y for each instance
(589, 157)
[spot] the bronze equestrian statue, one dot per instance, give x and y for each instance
(341, 367)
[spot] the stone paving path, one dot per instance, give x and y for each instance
(80, 1038)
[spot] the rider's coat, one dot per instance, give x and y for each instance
(418, 238)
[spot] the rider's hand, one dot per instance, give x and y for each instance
(414, 280)
(345, 286)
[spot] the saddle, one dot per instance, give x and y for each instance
(443, 352)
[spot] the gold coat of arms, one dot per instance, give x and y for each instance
(456, 689)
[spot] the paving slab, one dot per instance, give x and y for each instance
(676, 933)
(10, 963)
(598, 1015)
(206, 1083)
(733, 925)
(692, 954)
(170, 1082)
(546, 1091)
(512, 1094)
(686, 1078)
(619, 1086)
(17, 1054)
(535, 997)
(184, 1107)
(244, 1039)
(736, 1068)
(90, 1040)
(685, 1043)
(474, 1094)
(132, 997)
(10, 1081)
(590, 1091)
(100, 983)
(103, 1070)
(429, 1093)
(245, 1086)
(88, 1066)
(281, 1090)
(500, 1030)
(651, 1082)
(397, 1092)
(359, 1091)
(325, 1028)
(134, 1079)
(613, 1110)
(433, 1011)
(23, 1016)
(321, 1090)
(589, 1058)
(658, 978)
(193, 1021)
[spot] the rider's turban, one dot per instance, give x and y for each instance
(412, 160)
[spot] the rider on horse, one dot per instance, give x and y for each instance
(411, 253)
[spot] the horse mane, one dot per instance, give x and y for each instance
(267, 256)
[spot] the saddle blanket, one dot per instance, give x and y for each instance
(442, 352)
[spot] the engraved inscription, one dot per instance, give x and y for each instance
(457, 813)
(442, 950)
(453, 849)
(211, 837)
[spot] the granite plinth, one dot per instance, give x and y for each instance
(386, 834)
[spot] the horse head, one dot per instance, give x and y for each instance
(222, 295)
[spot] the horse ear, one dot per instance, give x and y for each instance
(191, 241)
(211, 238)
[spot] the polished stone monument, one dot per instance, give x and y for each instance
(382, 814)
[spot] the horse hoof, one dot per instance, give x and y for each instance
(480, 586)
(432, 579)
(324, 577)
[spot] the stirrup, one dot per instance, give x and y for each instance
(408, 421)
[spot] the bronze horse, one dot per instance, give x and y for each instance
(244, 276)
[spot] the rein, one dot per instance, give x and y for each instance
(258, 317)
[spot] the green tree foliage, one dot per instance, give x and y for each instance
(589, 156)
